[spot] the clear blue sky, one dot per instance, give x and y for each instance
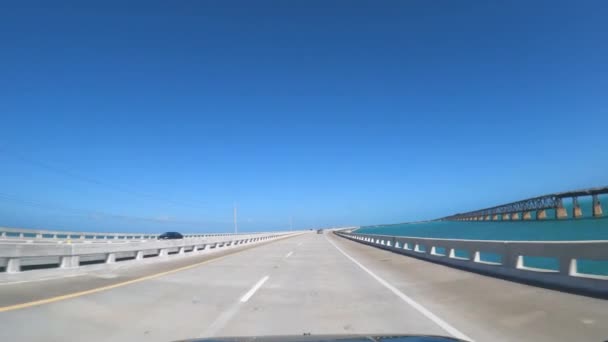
(159, 116)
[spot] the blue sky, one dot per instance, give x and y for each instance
(158, 116)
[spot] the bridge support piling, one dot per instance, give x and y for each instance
(495, 217)
(506, 217)
(576, 208)
(515, 216)
(597, 206)
(527, 216)
(541, 214)
(560, 211)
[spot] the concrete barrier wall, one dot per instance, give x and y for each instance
(21, 233)
(19, 256)
(508, 258)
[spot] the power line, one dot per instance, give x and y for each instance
(90, 214)
(70, 174)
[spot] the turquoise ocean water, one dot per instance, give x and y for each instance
(583, 229)
(586, 228)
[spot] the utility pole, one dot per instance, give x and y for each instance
(236, 227)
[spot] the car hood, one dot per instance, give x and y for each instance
(330, 338)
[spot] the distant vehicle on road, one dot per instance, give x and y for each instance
(170, 236)
(319, 231)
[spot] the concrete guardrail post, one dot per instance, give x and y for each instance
(13, 265)
(110, 258)
(70, 261)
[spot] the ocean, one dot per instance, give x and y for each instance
(549, 230)
(586, 228)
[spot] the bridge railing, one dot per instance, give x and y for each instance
(19, 256)
(39, 234)
(580, 266)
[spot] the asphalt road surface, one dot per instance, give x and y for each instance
(310, 283)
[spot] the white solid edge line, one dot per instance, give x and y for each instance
(253, 289)
(443, 324)
(288, 255)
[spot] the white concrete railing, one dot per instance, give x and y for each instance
(22, 233)
(508, 258)
(19, 256)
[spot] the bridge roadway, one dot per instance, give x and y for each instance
(309, 283)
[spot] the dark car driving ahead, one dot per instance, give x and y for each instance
(170, 236)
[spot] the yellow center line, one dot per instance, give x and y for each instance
(103, 288)
(124, 283)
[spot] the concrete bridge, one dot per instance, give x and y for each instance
(536, 207)
(295, 283)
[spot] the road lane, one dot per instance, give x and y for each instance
(317, 290)
(487, 308)
(176, 306)
(18, 292)
(301, 285)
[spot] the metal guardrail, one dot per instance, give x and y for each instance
(507, 259)
(22, 233)
(21, 256)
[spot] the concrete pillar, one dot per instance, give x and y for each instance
(163, 252)
(139, 255)
(560, 211)
(38, 236)
(597, 206)
(13, 265)
(182, 250)
(495, 217)
(110, 258)
(70, 261)
(506, 217)
(515, 216)
(541, 214)
(527, 215)
(487, 217)
(576, 208)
